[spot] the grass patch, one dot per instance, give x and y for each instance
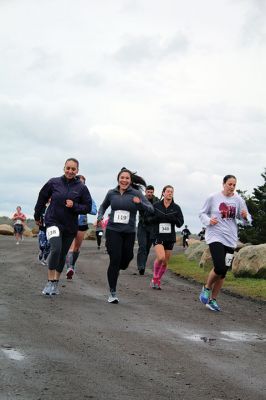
(248, 287)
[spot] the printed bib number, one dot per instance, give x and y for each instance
(52, 231)
(229, 259)
(165, 228)
(100, 233)
(18, 221)
(121, 216)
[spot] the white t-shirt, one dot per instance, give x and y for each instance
(227, 210)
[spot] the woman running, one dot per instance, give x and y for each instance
(125, 200)
(19, 220)
(167, 215)
(69, 198)
(219, 214)
(74, 250)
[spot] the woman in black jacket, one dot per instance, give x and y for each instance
(69, 198)
(167, 215)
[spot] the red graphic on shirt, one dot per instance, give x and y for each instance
(227, 211)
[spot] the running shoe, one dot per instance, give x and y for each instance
(54, 288)
(47, 288)
(40, 256)
(141, 271)
(155, 284)
(43, 262)
(204, 295)
(212, 305)
(113, 298)
(70, 273)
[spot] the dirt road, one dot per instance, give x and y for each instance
(153, 345)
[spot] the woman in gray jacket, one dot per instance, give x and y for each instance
(125, 200)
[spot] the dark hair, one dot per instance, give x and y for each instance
(149, 187)
(137, 182)
(228, 177)
(164, 189)
(82, 177)
(74, 160)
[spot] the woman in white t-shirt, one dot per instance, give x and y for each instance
(220, 214)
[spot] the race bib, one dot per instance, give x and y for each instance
(52, 231)
(165, 228)
(121, 216)
(229, 259)
(100, 233)
(18, 221)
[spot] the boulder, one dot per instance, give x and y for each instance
(190, 249)
(193, 241)
(27, 231)
(179, 241)
(196, 251)
(6, 230)
(206, 260)
(250, 261)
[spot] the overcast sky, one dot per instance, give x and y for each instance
(172, 89)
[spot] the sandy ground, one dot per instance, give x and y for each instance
(152, 345)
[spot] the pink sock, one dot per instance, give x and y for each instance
(156, 269)
(162, 271)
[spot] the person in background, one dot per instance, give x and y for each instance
(44, 245)
(185, 233)
(99, 233)
(125, 200)
(220, 214)
(74, 250)
(69, 198)
(201, 234)
(144, 231)
(19, 221)
(167, 216)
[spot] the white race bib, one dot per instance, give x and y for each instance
(52, 231)
(229, 259)
(165, 228)
(100, 233)
(121, 216)
(18, 221)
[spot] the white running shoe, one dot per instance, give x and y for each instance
(113, 298)
(54, 288)
(70, 273)
(47, 288)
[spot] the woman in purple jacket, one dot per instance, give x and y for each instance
(69, 198)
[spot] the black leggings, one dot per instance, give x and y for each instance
(218, 252)
(58, 251)
(120, 247)
(99, 235)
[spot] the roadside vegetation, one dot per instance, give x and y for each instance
(247, 287)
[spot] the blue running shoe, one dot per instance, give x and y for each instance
(204, 295)
(212, 305)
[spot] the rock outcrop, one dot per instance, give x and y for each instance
(6, 230)
(250, 261)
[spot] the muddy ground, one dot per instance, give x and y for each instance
(152, 345)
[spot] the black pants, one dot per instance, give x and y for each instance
(99, 235)
(218, 252)
(145, 242)
(120, 247)
(58, 251)
(185, 243)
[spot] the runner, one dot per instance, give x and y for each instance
(44, 245)
(185, 233)
(201, 234)
(125, 200)
(19, 220)
(219, 214)
(144, 231)
(74, 250)
(167, 216)
(99, 233)
(69, 198)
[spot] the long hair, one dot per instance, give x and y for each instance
(164, 189)
(137, 182)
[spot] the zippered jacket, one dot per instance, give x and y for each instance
(172, 216)
(123, 203)
(59, 190)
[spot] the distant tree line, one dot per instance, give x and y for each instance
(256, 232)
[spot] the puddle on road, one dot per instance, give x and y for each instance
(228, 336)
(13, 354)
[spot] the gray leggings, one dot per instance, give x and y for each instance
(58, 251)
